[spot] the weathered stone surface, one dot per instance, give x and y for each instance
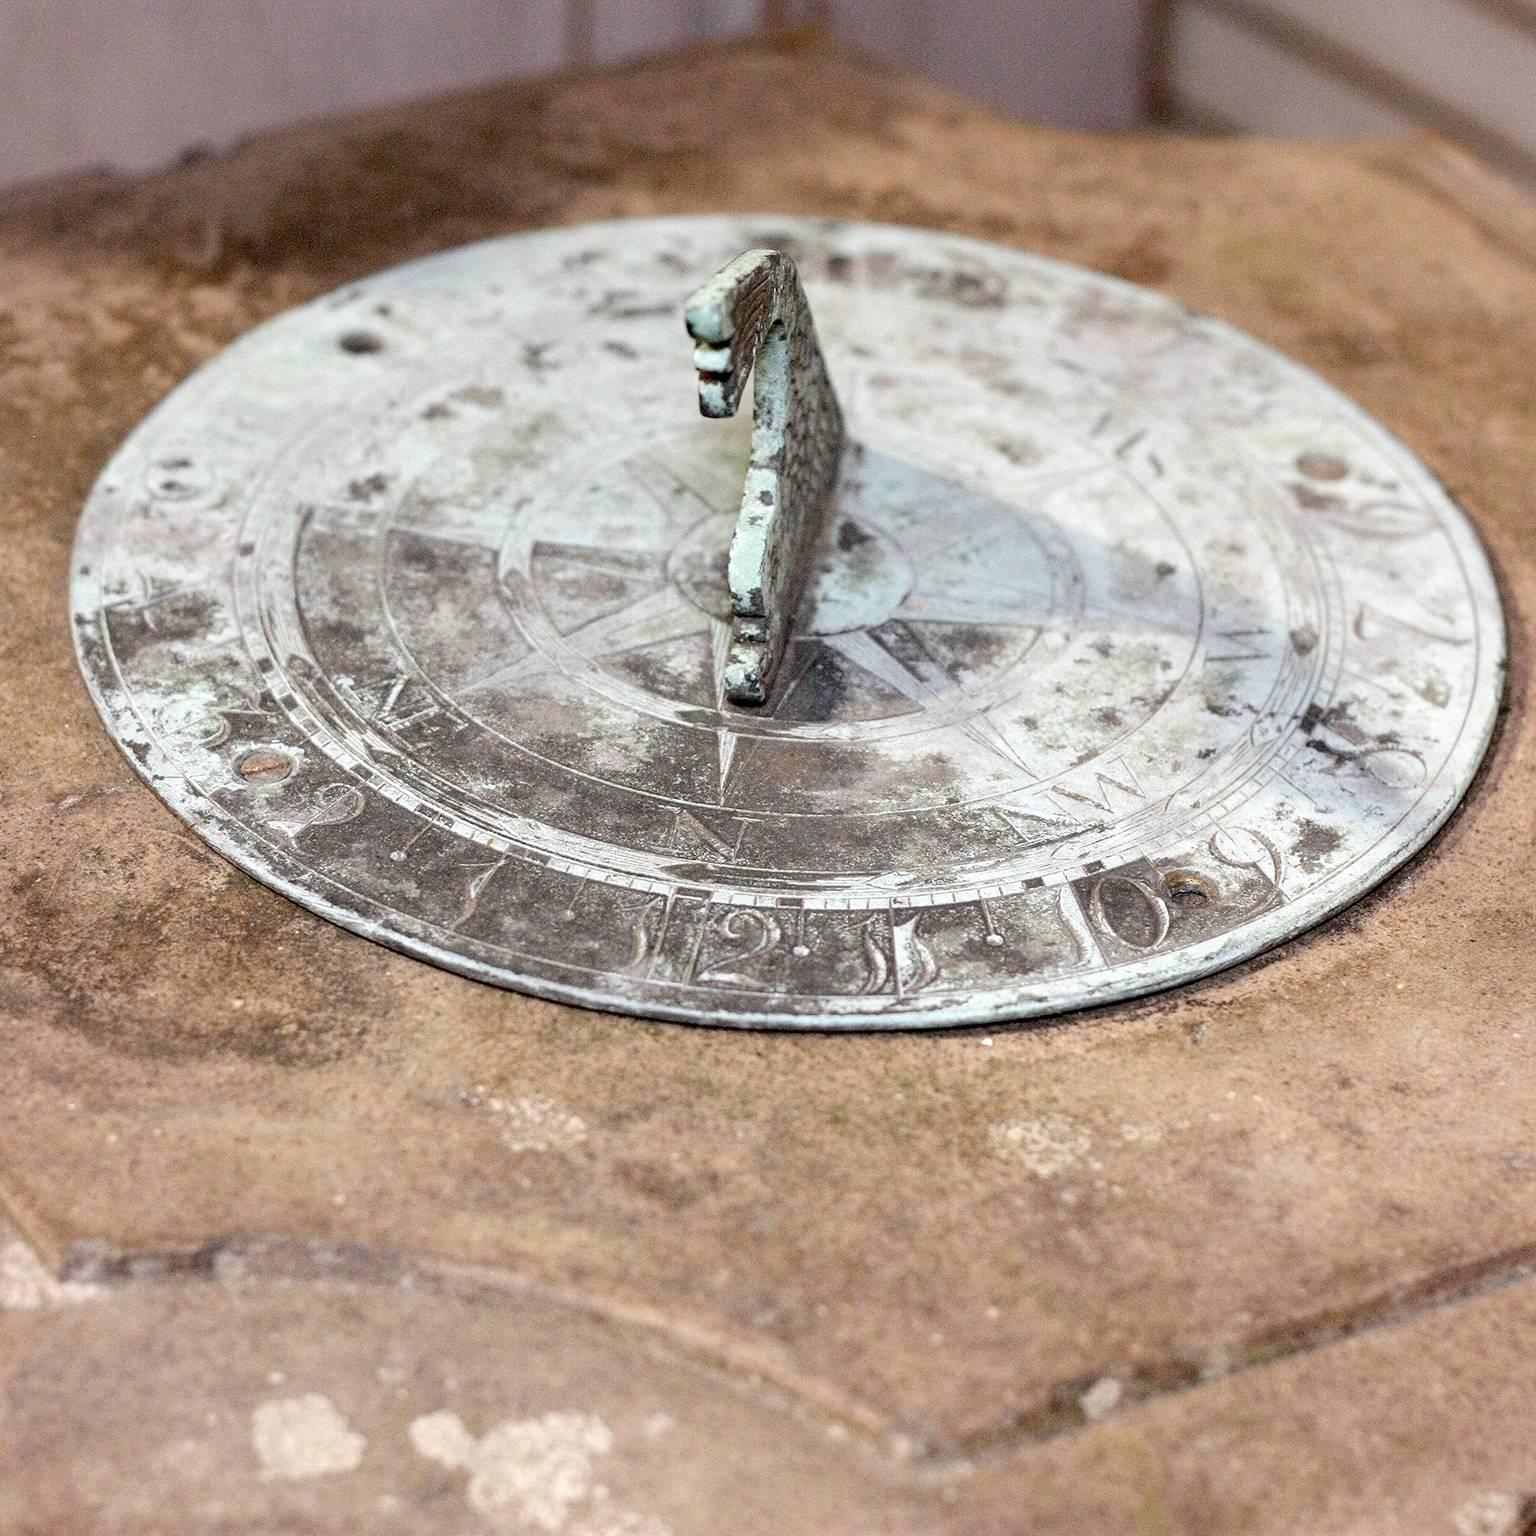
(943, 1243)
(281, 1387)
(378, 1400)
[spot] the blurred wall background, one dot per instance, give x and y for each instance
(1466, 68)
(132, 84)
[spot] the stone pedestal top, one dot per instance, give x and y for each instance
(306, 1234)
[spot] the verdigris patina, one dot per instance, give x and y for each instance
(754, 310)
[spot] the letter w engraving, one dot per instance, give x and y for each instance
(1122, 778)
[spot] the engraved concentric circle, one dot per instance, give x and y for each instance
(1132, 648)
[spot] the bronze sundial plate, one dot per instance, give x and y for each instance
(1131, 648)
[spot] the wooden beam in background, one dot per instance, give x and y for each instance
(1330, 57)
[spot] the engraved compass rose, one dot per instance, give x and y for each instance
(1022, 642)
(899, 632)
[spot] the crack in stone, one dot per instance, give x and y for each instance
(1070, 1406)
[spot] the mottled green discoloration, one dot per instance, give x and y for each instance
(754, 311)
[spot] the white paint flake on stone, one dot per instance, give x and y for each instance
(26, 1285)
(1489, 1514)
(1048, 1146)
(532, 1123)
(605, 1521)
(539, 1125)
(536, 1472)
(300, 1437)
(442, 1437)
(1101, 1399)
(537, 1469)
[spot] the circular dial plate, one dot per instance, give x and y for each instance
(1131, 648)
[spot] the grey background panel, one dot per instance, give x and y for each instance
(135, 83)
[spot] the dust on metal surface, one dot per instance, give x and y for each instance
(1129, 648)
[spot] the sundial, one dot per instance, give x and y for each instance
(1001, 638)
